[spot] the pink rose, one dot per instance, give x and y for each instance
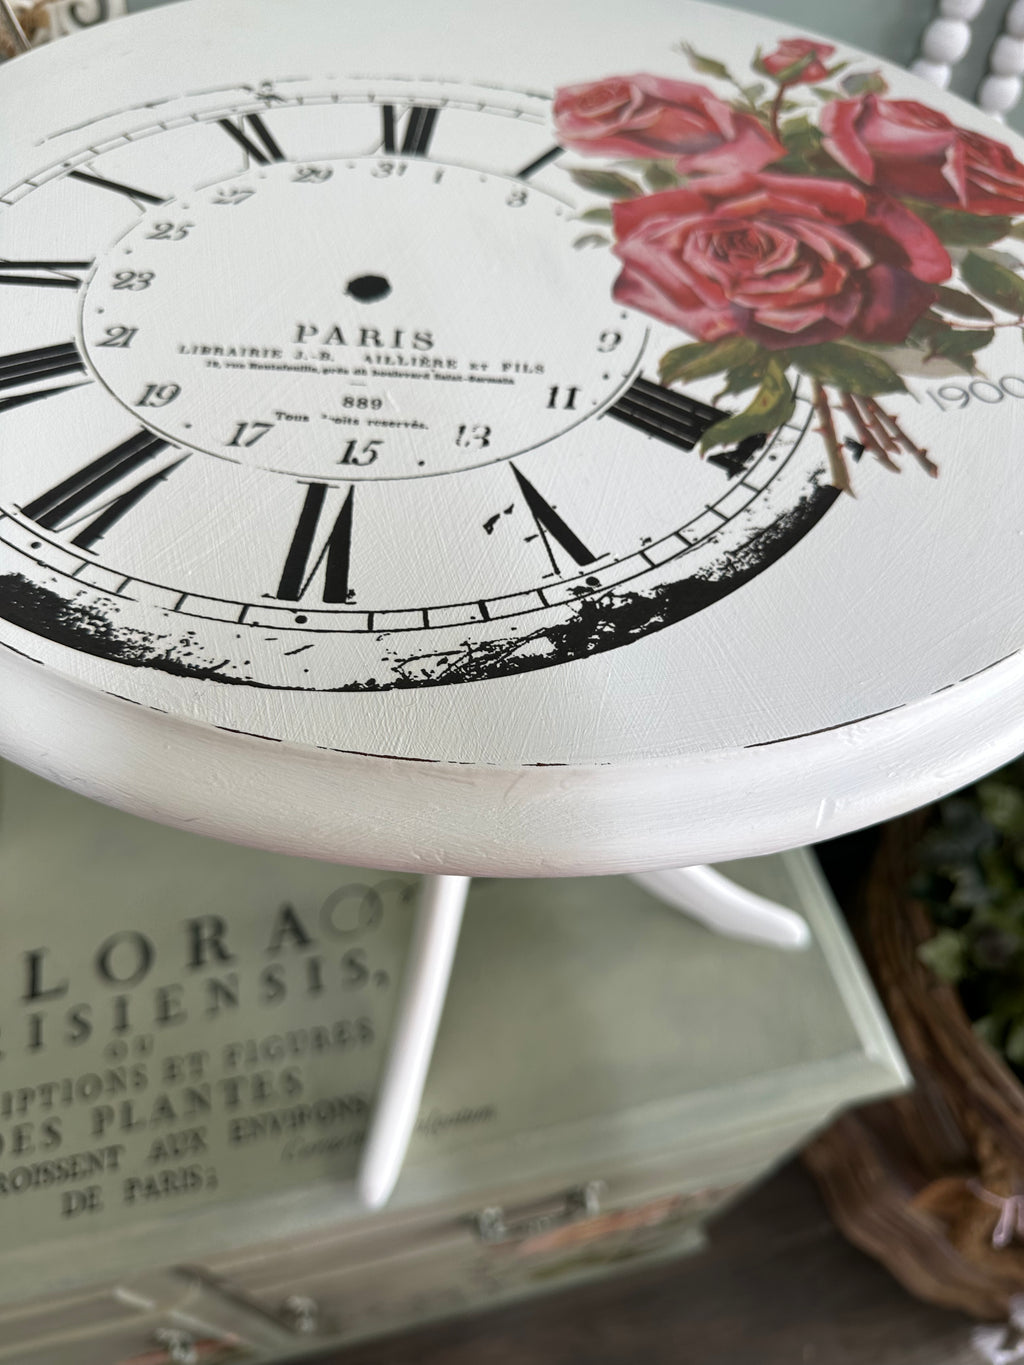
(908, 149)
(793, 50)
(786, 260)
(651, 117)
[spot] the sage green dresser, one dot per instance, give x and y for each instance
(192, 1034)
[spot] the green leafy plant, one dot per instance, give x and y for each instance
(971, 878)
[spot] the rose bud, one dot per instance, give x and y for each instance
(655, 118)
(789, 52)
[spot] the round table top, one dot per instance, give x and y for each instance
(584, 440)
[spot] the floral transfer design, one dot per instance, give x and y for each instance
(802, 223)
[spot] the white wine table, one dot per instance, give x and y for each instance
(584, 442)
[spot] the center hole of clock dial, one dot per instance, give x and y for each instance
(369, 288)
(363, 325)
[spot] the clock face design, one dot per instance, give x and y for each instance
(332, 393)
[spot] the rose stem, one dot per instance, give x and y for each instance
(776, 110)
(880, 430)
(836, 463)
(886, 418)
(865, 435)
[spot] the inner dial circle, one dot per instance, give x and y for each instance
(360, 319)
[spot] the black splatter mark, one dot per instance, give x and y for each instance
(602, 620)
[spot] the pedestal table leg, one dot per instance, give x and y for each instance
(725, 907)
(423, 990)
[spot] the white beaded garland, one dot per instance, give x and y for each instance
(998, 94)
(1007, 56)
(961, 9)
(935, 73)
(946, 40)
(1014, 24)
(1002, 87)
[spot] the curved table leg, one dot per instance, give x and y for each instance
(701, 892)
(726, 908)
(423, 989)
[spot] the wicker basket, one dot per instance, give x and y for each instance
(927, 1183)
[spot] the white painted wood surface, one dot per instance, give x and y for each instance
(870, 668)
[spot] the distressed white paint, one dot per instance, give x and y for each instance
(678, 747)
(533, 821)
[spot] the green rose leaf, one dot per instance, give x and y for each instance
(658, 176)
(610, 183)
(823, 93)
(707, 66)
(747, 375)
(794, 71)
(993, 282)
(773, 404)
(1007, 258)
(753, 92)
(848, 368)
(965, 340)
(701, 358)
(960, 346)
(957, 228)
(596, 216)
(800, 136)
(962, 305)
(865, 83)
(1017, 231)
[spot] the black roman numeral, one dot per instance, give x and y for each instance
(419, 129)
(551, 527)
(74, 497)
(334, 555)
(44, 274)
(680, 421)
(543, 160)
(35, 369)
(138, 196)
(262, 151)
(28, 367)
